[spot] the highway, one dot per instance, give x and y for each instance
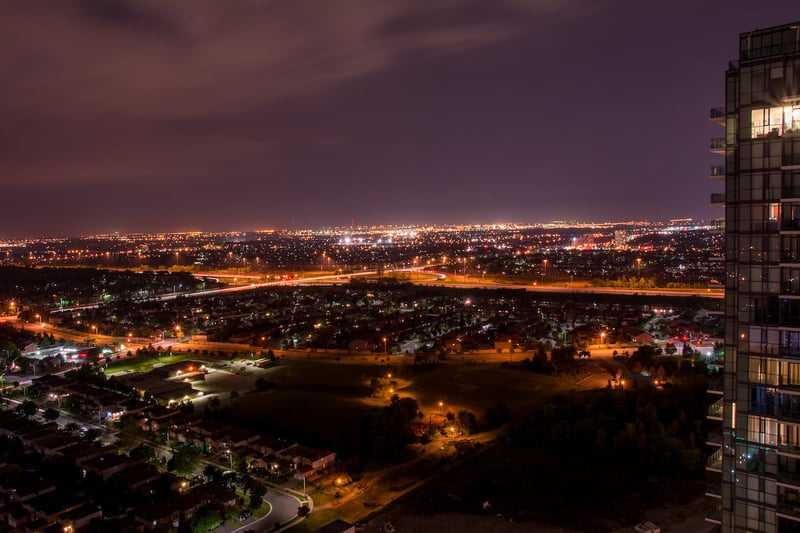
(331, 278)
(477, 284)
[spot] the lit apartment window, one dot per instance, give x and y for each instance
(775, 121)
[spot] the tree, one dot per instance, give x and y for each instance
(142, 451)
(185, 460)
(467, 422)
(27, 408)
(563, 354)
(205, 520)
(257, 490)
(50, 414)
(213, 473)
(234, 394)
(303, 511)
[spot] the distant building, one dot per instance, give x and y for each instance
(620, 238)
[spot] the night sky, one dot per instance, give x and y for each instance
(215, 115)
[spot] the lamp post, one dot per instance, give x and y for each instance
(639, 267)
(385, 348)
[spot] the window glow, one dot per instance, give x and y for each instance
(775, 121)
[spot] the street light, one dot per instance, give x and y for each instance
(639, 267)
(385, 349)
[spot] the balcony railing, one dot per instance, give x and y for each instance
(789, 351)
(715, 410)
(714, 516)
(789, 160)
(790, 287)
(714, 490)
(714, 461)
(789, 478)
(789, 256)
(789, 448)
(715, 384)
(788, 416)
(717, 115)
(714, 438)
(789, 385)
(718, 171)
(790, 225)
(789, 509)
(790, 192)
(718, 145)
(717, 198)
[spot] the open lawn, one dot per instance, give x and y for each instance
(323, 404)
(144, 363)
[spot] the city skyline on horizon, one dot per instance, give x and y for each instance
(141, 116)
(556, 224)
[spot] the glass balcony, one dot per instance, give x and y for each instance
(789, 416)
(715, 410)
(791, 288)
(790, 256)
(714, 516)
(789, 351)
(718, 145)
(714, 462)
(718, 198)
(789, 509)
(790, 225)
(714, 490)
(715, 384)
(718, 172)
(789, 385)
(789, 448)
(790, 192)
(717, 115)
(714, 438)
(789, 478)
(789, 160)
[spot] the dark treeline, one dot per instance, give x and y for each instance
(654, 431)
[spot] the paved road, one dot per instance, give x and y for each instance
(477, 284)
(248, 287)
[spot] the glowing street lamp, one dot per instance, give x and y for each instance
(385, 349)
(638, 267)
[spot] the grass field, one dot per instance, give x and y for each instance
(141, 363)
(324, 404)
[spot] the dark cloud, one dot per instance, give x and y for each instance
(399, 110)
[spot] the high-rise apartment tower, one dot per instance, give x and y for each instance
(755, 431)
